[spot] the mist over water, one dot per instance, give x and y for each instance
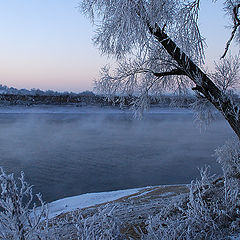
(69, 154)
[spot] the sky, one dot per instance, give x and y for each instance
(46, 44)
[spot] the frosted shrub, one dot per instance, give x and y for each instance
(205, 214)
(100, 225)
(20, 219)
(17, 220)
(229, 157)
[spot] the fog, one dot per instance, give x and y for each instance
(69, 154)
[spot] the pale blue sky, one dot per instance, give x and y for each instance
(47, 44)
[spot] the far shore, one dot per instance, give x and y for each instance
(73, 109)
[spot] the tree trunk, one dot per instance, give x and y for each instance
(203, 83)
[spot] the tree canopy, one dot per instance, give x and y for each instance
(159, 47)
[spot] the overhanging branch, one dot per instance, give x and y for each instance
(235, 27)
(204, 84)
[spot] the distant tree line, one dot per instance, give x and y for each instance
(14, 91)
(81, 100)
(13, 96)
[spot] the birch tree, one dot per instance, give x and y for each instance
(158, 45)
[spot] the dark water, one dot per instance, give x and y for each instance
(69, 154)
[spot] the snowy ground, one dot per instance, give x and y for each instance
(93, 199)
(132, 207)
(88, 200)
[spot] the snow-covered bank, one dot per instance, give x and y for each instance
(93, 199)
(124, 209)
(87, 200)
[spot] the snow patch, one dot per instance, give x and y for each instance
(87, 200)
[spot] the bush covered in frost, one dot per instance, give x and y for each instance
(229, 157)
(100, 225)
(212, 209)
(17, 220)
(20, 219)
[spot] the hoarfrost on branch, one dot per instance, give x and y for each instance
(159, 47)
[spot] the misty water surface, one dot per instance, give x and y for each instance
(69, 154)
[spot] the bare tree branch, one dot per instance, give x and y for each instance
(235, 27)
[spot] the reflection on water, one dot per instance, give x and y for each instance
(69, 154)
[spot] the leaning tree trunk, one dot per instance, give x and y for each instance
(203, 83)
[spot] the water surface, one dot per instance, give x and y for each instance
(66, 154)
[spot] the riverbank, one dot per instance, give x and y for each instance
(131, 207)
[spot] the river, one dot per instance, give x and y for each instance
(65, 153)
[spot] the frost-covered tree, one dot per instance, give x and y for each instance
(159, 47)
(226, 75)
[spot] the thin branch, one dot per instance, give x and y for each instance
(235, 12)
(236, 25)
